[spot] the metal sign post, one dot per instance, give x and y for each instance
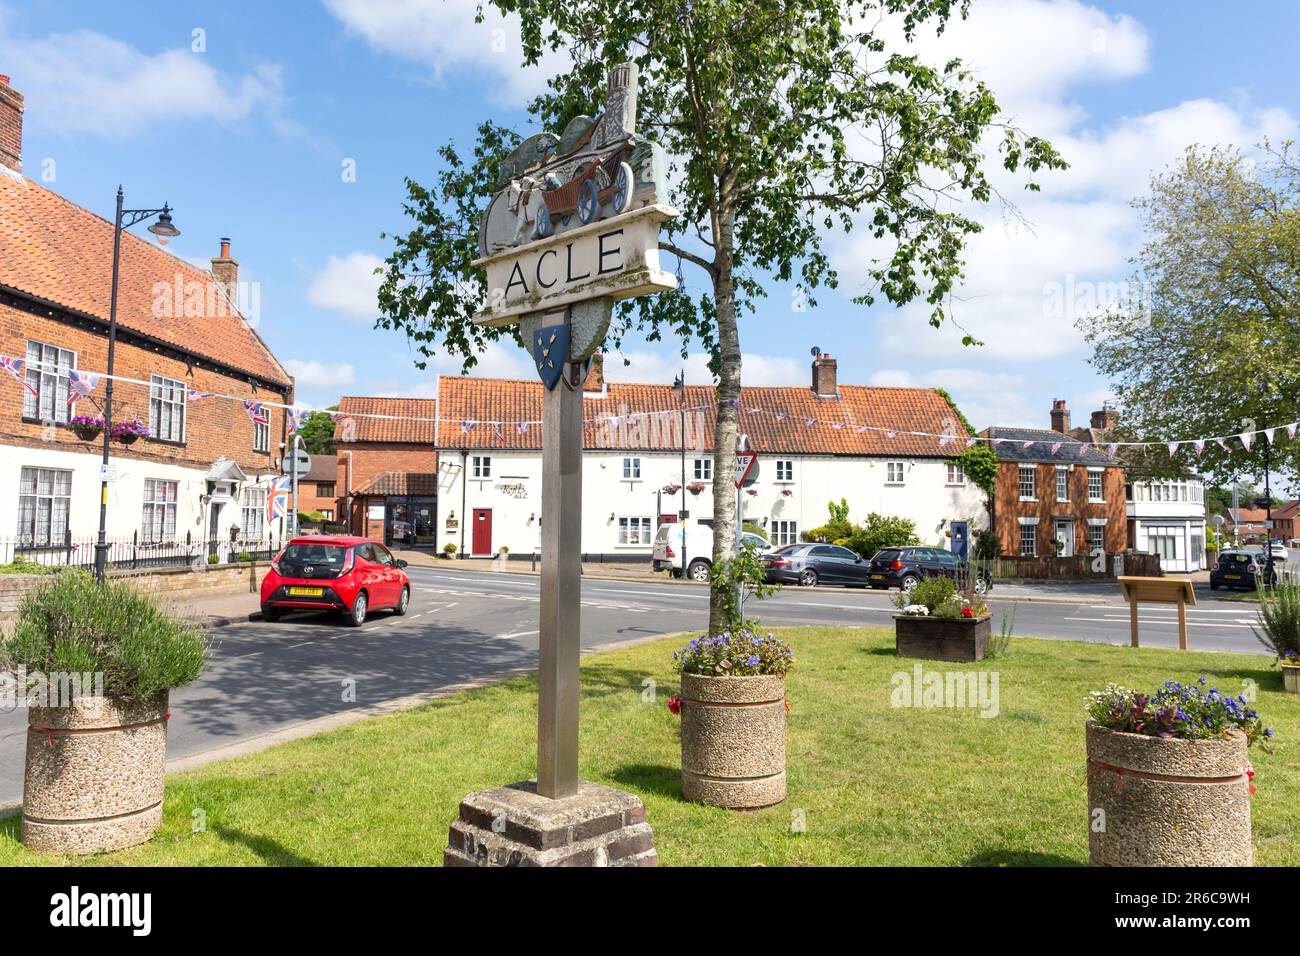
(573, 226)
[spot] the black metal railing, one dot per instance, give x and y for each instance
(133, 553)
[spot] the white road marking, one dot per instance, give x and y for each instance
(1159, 620)
(292, 646)
(375, 628)
(502, 637)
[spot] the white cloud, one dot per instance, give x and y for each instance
(309, 373)
(86, 82)
(348, 285)
(984, 397)
(656, 367)
(442, 36)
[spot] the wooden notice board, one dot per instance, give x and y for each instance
(1138, 590)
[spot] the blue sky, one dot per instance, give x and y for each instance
(250, 136)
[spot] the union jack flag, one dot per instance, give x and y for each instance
(195, 395)
(15, 367)
(277, 498)
(258, 413)
(295, 416)
(80, 385)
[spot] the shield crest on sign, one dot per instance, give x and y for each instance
(550, 352)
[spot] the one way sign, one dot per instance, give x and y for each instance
(744, 465)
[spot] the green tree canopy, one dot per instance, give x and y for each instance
(1206, 344)
(784, 122)
(317, 432)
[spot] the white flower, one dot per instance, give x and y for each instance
(916, 609)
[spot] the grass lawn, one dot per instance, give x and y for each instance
(876, 784)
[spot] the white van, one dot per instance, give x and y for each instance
(668, 549)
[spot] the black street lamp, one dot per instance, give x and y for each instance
(679, 387)
(164, 230)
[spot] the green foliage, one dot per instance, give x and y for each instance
(310, 517)
(870, 537)
(987, 545)
(449, 548)
(740, 653)
(835, 529)
(931, 594)
(214, 559)
(317, 432)
(1279, 617)
(736, 580)
(22, 564)
(756, 530)
(980, 463)
(1000, 640)
(1206, 343)
(70, 624)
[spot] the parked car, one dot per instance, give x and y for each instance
(1238, 569)
(907, 567)
(666, 554)
(343, 573)
(809, 564)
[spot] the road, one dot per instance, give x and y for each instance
(470, 625)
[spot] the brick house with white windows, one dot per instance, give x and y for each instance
(205, 466)
(1047, 492)
(810, 449)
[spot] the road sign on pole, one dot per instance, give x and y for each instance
(744, 464)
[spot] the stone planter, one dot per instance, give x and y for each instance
(94, 778)
(1291, 678)
(941, 639)
(1167, 802)
(733, 740)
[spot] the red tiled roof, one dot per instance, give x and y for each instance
(54, 250)
(396, 427)
(772, 417)
(1247, 516)
(399, 483)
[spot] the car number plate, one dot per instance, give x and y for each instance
(306, 592)
(1233, 577)
(877, 577)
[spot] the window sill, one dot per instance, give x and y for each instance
(1031, 501)
(166, 441)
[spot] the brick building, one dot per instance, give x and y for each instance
(1047, 492)
(318, 489)
(182, 344)
(387, 468)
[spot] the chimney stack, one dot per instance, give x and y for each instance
(226, 271)
(1104, 419)
(1060, 416)
(11, 126)
(595, 380)
(824, 384)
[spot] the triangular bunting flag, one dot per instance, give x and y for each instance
(1223, 443)
(891, 433)
(194, 395)
(970, 442)
(1112, 449)
(809, 422)
(1246, 438)
(1199, 445)
(1268, 433)
(1173, 448)
(1027, 444)
(1290, 429)
(1083, 449)
(522, 427)
(80, 385)
(1056, 446)
(15, 367)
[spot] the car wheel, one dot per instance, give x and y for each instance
(403, 603)
(357, 616)
(698, 571)
(981, 586)
(909, 583)
(807, 578)
(271, 614)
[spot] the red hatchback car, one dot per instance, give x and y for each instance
(335, 573)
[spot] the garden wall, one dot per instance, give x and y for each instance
(243, 577)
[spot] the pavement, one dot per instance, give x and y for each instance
(468, 625)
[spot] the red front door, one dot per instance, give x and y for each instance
(482, 543)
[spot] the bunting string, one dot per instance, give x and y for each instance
(82, 384)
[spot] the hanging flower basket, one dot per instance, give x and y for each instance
(86, 428)
(695, 487)
(786, 492)
(671, 489)
(128, 433)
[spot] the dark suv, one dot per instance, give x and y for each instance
(905, 568)
(1238, 569)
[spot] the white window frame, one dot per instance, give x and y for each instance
(50, 378)
(785, 469)
(1031, 523)
(167, 395)
(50, 529)
(1100, 475)
(262, 435)
(252, 512)
(1033, 482)
(632, 468)
(481, 467)
(1096, 526)
(890, 466)
(1063, 483)
(158, 513)
(783, 531)
(635, 531)
(956, 473)
(702, 468)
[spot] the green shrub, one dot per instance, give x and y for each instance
(25, 565)
(244, 556)
(449, 548)
(867, 539)
(755, 529)
(213, 558)
(1279, 617)
(70, 624)
(933, 594)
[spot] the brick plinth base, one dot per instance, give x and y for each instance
(514, 826)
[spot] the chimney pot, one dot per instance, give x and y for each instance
(225, 270)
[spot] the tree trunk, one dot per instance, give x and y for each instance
(728, 416)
